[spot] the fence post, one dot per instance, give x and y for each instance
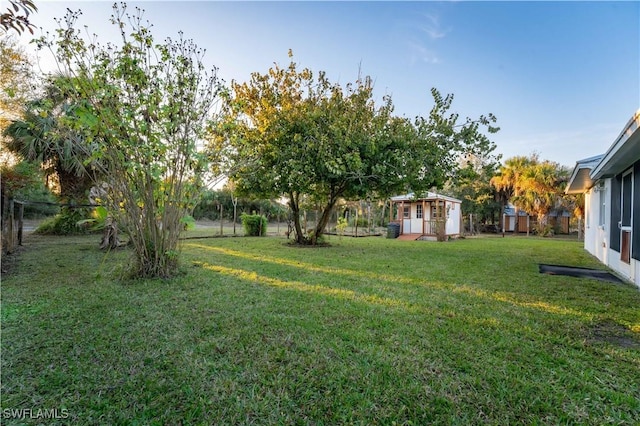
(4, 202)
(221, 223)
(11, 241)
(20, 221)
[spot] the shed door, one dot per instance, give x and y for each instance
(406, 219)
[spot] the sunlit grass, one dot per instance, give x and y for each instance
(367, 331)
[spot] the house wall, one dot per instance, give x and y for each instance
(596, 236)
(602, 237)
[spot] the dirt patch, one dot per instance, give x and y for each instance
(611, 332)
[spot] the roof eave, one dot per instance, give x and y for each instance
(580, 180)
(622, 153)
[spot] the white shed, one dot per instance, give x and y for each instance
(418, 217)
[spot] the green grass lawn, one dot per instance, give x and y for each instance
(367, 331)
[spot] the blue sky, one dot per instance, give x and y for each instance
(563, 78)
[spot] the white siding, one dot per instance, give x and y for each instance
(453, 219)
(596, 236)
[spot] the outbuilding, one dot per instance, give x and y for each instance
(419, 217)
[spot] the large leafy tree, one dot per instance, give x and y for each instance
(143, 107)
(307, 139)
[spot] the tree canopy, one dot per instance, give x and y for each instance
(16, 16)
(299, 136)
(472, 185)
(16, 80)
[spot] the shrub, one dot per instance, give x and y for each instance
(66, 222)
(254, 225)
(341, 226)
(362, 222)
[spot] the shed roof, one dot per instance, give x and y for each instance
(430, 196)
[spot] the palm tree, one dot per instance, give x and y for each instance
(41, 136)
(533, 186)
(509, 181)
(539, 191)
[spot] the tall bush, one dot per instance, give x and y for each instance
(254, 225)
(144, 107)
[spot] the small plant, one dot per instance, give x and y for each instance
(254, 225)
(97, 222)
(341, 226)
(546, 230)
(188, 222)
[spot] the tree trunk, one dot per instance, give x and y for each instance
(324, 220)
(110, 238)
(295, 212)
(73, 188)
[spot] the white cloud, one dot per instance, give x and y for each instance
(420, 53)
(432, 27)
(426, 32)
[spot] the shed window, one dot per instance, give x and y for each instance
(406, 213)
(419, 211)
(437, 211)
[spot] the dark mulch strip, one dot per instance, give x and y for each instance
(571, 271)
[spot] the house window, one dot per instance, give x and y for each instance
(406, 213)
(419, 211)
(627, 194)
(602, 192)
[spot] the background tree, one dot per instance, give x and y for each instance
(508, 181)
(542, 191)
(533, 185)
(25, 181)
(16, 16)
(17, 84)
(311, 140)
(472, 185)
(143, 106)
